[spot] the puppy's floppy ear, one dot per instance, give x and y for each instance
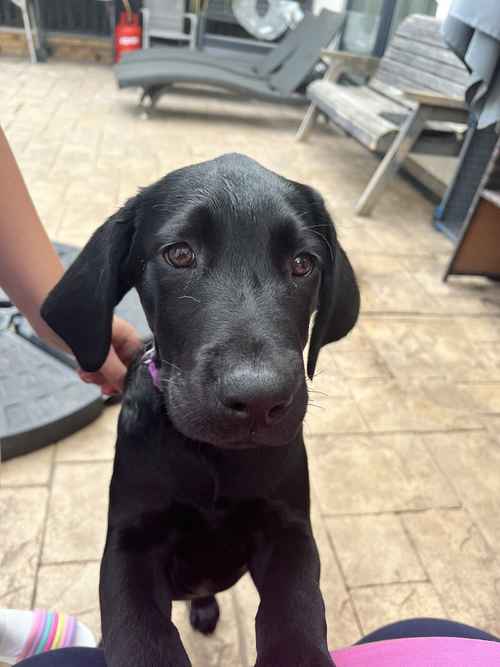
(80, 307)
(339, 300)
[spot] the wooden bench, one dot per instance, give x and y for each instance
(413, 101)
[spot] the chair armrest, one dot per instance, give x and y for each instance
(434, 99)
(352, 61)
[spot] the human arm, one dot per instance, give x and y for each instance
(30, 267)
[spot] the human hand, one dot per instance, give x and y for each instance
(125, 343)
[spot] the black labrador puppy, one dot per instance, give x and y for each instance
(210, 476)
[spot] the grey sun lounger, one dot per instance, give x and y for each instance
(305, 31)
(156, 76)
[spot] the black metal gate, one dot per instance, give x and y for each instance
(76, 16)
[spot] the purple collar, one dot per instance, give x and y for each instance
(149, 360)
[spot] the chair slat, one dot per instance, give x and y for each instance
(404, 77)
(420, 28)
(428, 65)
(440, 54)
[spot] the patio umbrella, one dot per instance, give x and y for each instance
(472, 29)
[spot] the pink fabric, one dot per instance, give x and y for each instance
(421, 652)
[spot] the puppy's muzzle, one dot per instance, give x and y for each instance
(259, 396)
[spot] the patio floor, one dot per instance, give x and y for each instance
(405, 447)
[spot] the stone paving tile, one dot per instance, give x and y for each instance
(355, 341)
(492, 425)
(104, 191)
(415, 225)
(381, 473)
(76, 527)
(471, 461)
(95, 442)
(246, 603)
(343, 628)
(481, 329)
(395, 292)
(31, 469)
(377, 606)
(331, 405)
(372, 262)
(222, 649)
(374, 549)
(338, 414)
(72, 588)
(489, 356)
(425, 348)
(40, 152)
(485, 395)
(355, 357)
(22, 512)
(84, 218)
(356, 238)
(463, 568)
(432, 404)
(458, 296)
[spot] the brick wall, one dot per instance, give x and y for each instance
(64, 47)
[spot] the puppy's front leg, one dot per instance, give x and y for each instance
(136, 609)
(290, 622)
(135, 593)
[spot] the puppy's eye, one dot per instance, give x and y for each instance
(180, 255)
(302, 265)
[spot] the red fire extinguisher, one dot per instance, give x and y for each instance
(128, 32)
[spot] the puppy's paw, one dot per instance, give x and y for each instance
(204, 614)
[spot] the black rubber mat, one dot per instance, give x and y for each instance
(42, 399)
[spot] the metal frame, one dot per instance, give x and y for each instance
(31, 22)
(384, 28)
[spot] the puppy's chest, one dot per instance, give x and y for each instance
(209, 550)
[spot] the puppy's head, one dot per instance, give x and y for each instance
(230, 261)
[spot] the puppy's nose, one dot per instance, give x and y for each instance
(262, 396)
